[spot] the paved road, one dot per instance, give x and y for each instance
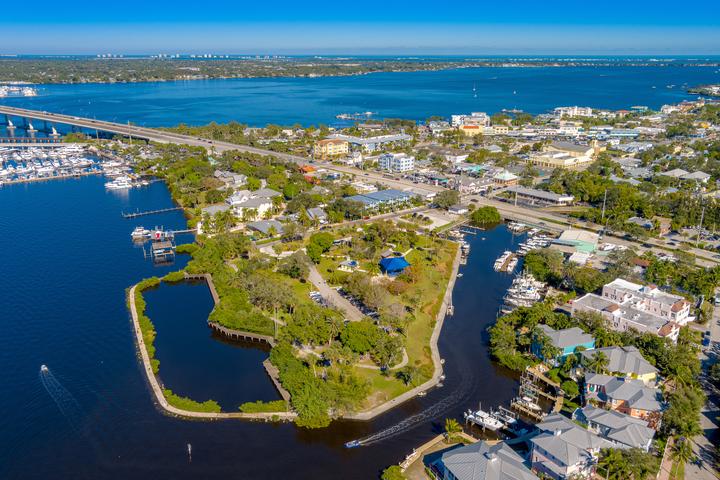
(707, 466)
(517, 212)
(333, 297)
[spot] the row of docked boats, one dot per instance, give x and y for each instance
(524, 291)
(535, 241)
(21, 165)
(124, 182)
(506, 262)
(158, 234)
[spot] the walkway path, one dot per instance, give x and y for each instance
(373, 412)
(333, 297)
(400, 365)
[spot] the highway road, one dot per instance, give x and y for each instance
(520, 213)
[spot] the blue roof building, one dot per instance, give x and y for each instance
(393, 266)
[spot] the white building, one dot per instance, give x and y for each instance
(574, 111)
(475, 118)
(396, 162)
(644, 308)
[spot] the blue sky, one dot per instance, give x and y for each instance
(374, 27)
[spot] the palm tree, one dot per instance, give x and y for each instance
(452, 427)
(598, 363)
(613, 464)
(682, 453)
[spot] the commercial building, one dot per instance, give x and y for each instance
(505, 178)
(371, 144)
(475, 118)
(396, 162)
(573, 111)
(532, 196)
(331, 148)
(482, 461)
(382, 198)
(573, 241)
(644, 308)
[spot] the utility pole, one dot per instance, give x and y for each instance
(702, 217)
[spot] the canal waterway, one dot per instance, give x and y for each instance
(67, 260)
(411, 95)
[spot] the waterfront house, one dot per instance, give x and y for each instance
(393, 266)
(563, 449)
(621, 429)
(482, 461)
(625, 395)
(566, 341)
(624, 361)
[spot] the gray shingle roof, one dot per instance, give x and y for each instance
(627, 360)
(618, 427)
(480, 461)
(566, 338)
(567, 441)
(634, 392)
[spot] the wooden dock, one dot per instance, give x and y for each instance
(534, 414)
(149, 212)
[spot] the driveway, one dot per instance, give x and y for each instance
(333, 297)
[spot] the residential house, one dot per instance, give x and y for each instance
(482, 461)
(564, 450)
(317, 214)
(566, 341)
(266, 227)
(625, 361)
(230, 179)
(626, 395)
(259, 201)
(622, 430)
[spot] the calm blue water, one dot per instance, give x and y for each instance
(196, 363)
(67, 259)
(413, 95)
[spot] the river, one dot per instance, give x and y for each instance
(67, 259)
(411, 95)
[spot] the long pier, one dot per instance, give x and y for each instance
(149, 212)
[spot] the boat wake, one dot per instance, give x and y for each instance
(457, 397)
(66, 403)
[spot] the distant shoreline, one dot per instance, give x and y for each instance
(64, 71)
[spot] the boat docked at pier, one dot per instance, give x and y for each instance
(502, 264)
(483, 419)
(525, 291)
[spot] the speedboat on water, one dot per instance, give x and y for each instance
(44, 368)
(353, 444)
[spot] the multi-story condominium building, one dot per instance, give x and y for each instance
(396, 162)
(645, 308)
(475, 118)
(331, 148)
(574, 111)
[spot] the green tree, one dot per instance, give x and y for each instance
(447, 198)
(682, 453)
(393, 472)
(598, 363)
(485, 216)
(452, 427)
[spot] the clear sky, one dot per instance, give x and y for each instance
(474, 27)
